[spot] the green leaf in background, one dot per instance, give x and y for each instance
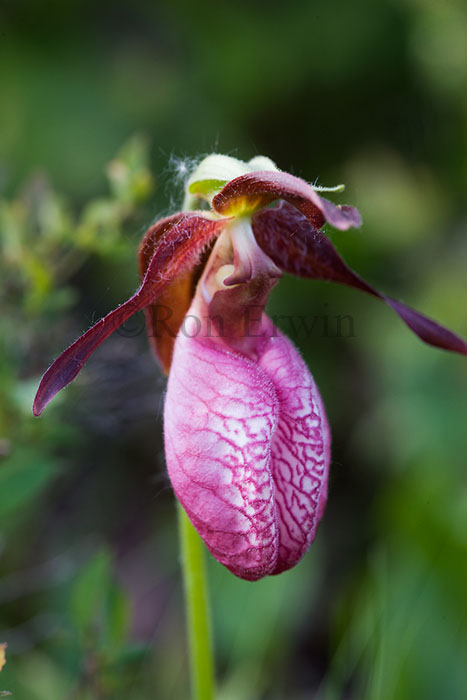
(89, 592)
(22, 477)
(98, 605)
(130, 178)
(117, 617)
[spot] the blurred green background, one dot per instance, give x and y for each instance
(102, 109)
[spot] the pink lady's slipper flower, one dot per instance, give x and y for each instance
(246, 436)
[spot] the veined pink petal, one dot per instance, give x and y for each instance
(247, 448)
(300, 449)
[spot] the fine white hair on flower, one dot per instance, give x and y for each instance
(178, 171)
(181, 167)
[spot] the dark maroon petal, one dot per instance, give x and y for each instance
(428, 330)
(179, 249)
(164, 318)
(300, 249)
(262, 187)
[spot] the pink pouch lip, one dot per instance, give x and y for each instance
(248, 450)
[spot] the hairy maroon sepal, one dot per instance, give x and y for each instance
(292, 241)
(263, 187)
(179, 249)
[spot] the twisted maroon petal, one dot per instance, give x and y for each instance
(180, 248)
(300, 249)
(262, 187)
(165, 316)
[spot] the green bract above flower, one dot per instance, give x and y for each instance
(217, 170)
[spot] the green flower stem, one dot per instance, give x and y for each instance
(197, 609)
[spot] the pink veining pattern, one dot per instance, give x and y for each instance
(300, 450)
(247, 448)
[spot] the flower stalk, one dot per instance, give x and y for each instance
(198, 618)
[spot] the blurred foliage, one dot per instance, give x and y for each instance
(44, 246)
(370, 94)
